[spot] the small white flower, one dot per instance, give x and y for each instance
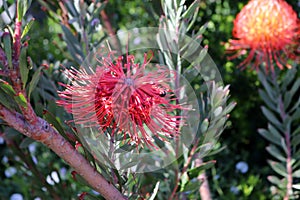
(10, 171)
(63, 172)
(55, 177)
(234, 190)
(16, 196)
(49, 180)
(32, 147)
(34, 159)
(52, 178)
(1, 138)
(4, 159)
(242, 167)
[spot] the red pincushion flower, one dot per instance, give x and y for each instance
(269, 30)
(125, 99)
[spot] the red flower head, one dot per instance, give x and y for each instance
(127, 99)
(269, 29)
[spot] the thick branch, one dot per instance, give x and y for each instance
(109, 29)
(42, 131)
(204, 188)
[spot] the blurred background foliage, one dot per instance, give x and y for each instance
(241, 168)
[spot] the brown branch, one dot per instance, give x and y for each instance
(109, 29)
(42, 131)
(204, 188)
(184, 169)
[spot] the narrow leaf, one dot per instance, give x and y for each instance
(296, 174)
(271, 136)
(34, 81)
(26, 142)
(274, 151)
(191, 10)
(195, 172)
(52, 120)
(6, 101)
(7, 88)
(268, 101)
(7, 48)
(275, 180)
(73, 45)
(278, 168)
(27, 27)
(23, 67)
(21, 100)
(270, 116)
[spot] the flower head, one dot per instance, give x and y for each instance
(269, 30)
(127, 99)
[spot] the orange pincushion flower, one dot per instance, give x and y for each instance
(124, 98)
(269, 29)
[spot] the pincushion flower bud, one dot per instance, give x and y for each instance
(268, 31)
(129, 99)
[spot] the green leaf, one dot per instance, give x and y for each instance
(271, 117)
(129, 164)
(204, 125)
(296, 114)
(23, 67)
(270, 91)
(275, 180)
(11, 133)
(297, 131)
(27, 27)
(296, 174)
(271, 136)
(34, 81)
(192, 186)
(289, 94)
(278, 168)
(288, 78)
(296, 140)
(155, 190)
(52, 120)
(22, 7)
(268, 101)
(7, 88)
(184, 180)
(73, 44)
(195, 172)
(191, 10)
(8, 48)
(6, 101)
(21, 100)
(126, 148)
(274, 151)
(26, 142)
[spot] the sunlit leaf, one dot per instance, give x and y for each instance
(21, 100)
(27, 27)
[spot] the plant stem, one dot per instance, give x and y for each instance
(42, 131)
(287, 136)
(108, 27)
(289, 168)
(204, 188)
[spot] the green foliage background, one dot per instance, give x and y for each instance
(241, 139)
